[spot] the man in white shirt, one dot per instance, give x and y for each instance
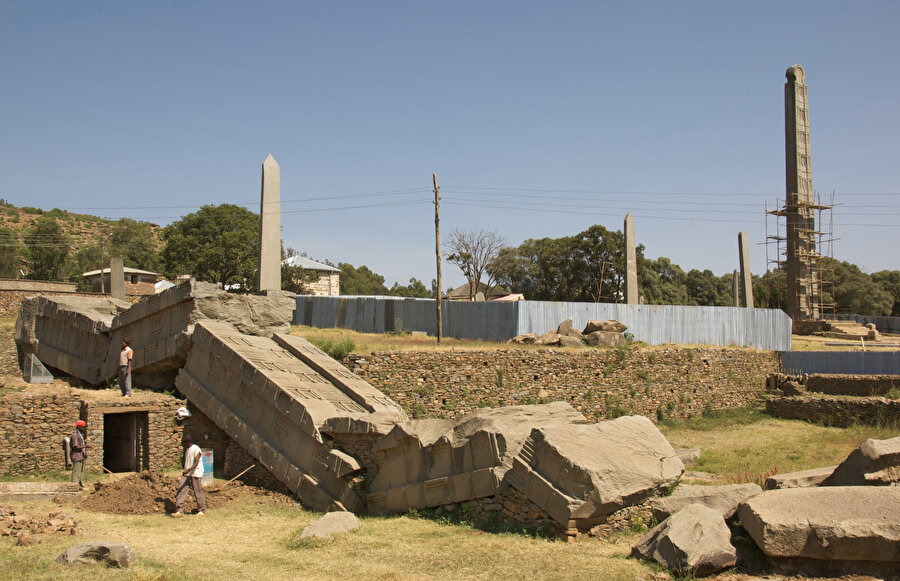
(125, 357)
(190, 478)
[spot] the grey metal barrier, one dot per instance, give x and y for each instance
(768, 329)
(845, 362)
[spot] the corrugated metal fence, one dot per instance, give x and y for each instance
(847, 362)
(654, 324)
(883, 324)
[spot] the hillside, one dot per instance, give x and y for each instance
(83, 229)
(90, 240)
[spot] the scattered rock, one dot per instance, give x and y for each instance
(564, 327)
(874, 463)
(695, 540)
(526, 339)
(835, 523)
(801, 479)
(332, 523)
(724, 499)
(688, 456)
(568, 341)
(609, 326)
(112, 554)
(604, 338)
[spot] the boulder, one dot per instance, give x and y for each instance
(567, 341)
(608, 326)
(688, 456)
(526, 339)
(874, 463)
(604, 338)
(332, 523)
(725, 498)
(693, 541)
(835, 523)
(547, 339)
(575, 333)
(111, 554)
(564, 327)
(801, 479)
(581, 473)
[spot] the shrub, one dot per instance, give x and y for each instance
(335, 349)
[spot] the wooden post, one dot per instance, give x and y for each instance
(437, 252)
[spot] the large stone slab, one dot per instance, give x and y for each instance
(874, 463)
(69, 333)
(273, 405)
(428, 463)
(801, 479)
(838, 523)
(724, 498)
(581, 473)
(693, 541)
(160, 326)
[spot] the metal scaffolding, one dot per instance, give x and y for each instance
(795, 236)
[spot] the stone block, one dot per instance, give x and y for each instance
(724, 499)
(800, 479)
(835, 523)
(874, 463)
(695, 540)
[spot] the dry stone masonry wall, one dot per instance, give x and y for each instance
(601, 383)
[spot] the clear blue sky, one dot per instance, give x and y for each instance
(539, 118)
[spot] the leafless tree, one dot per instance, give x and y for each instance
(475, 253)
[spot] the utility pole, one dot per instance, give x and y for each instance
(437, 252)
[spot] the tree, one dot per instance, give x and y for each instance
(10, 249)
(662, 283)
(855, 292)
(134, 242)
(705, 289)
(589, 266)
(360, 281)
(889, 281)
(415, 289)
(296, 280)
(215, 244)
(48, 249)
(475, 253)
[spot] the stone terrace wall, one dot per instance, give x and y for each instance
(839, 412)
(32, 428)
(33, 425)
(602, 384)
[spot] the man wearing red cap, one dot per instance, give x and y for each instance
(78, 443)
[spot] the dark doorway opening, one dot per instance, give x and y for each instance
(125, 442)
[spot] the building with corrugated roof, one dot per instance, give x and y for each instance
(328, 278)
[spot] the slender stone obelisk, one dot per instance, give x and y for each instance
(270, 227)
(746, 277)
(116, 278)
(631, 281)
(799, 208)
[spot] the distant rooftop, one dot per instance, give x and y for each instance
(308, 264)
(127, 270)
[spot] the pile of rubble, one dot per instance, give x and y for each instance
(595, 334)
(29, 529)
(836, 519)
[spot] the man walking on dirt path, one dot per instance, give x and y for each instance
(190, 477)
(125, 357)
(78, 445)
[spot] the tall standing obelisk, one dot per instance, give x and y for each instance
(270, 227)
(801, 258)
